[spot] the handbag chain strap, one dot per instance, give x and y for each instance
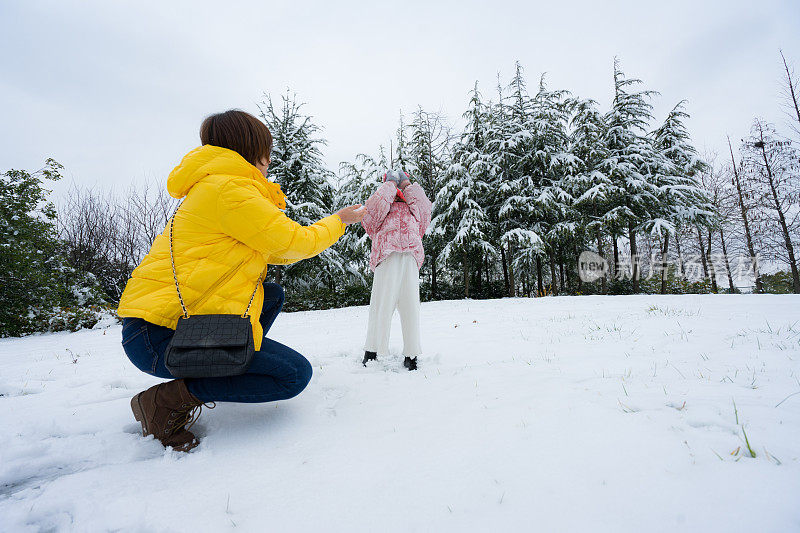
(175, 274)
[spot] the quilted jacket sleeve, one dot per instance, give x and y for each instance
(377, 207)
(250, 218)
(419, 205)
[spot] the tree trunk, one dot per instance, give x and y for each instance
(664, 250)
(505, 268)
(479, 278)
(786, 237)
(539, 284)
(727, 263)
(702, 253)
(553, 280)
(680, 255)
(791, 88)
(600, 252)
(466, 274)
(748, 236)
(561, 272)
(712, 270)
(433, 278)
(512, 287)
(616, 256)
(634, 257)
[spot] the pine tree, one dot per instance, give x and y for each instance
(530, 152)
(461, 221)
(629, 163)
(551, 164)
(357, 182)
(590, 187)
(428, 154)
(427, 150)
(508, 143)
(298, 168)
(401, 161)
(682, 199)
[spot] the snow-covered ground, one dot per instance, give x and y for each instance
(551, 414)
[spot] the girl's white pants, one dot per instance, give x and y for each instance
(395, 286)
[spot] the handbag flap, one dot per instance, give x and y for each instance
(212, 331)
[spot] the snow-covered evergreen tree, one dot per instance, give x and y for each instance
(682, 199)
(508, 140)
(427, 149)
(428, 156)
(551, 164)
(357, 182)
(631, 162)
(401, 161)
(530, 151)
(461, 221)
(298, 168)
(590, 188)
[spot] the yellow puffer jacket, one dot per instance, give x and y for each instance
(228, 228)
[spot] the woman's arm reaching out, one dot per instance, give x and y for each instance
(250, 218)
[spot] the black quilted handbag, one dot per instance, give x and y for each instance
(207, 346)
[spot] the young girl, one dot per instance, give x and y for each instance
(396, 218)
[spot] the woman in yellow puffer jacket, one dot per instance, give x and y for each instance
(229, 227)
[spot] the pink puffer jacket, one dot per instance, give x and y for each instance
(396, 226)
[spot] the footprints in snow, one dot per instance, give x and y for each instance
(330, 397)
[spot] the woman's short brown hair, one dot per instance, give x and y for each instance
(238, 131)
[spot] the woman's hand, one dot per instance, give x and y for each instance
(404, 184)
(351, 214)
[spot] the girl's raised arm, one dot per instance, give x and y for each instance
(419, 205)
(377, 207)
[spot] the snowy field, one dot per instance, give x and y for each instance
(554, 414)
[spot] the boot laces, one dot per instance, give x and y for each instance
(185, 418)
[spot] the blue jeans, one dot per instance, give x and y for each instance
(276, 373)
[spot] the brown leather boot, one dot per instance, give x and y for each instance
(167, 411)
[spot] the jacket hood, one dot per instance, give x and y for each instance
(209, 160)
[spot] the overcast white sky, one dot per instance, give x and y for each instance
(116, 90)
